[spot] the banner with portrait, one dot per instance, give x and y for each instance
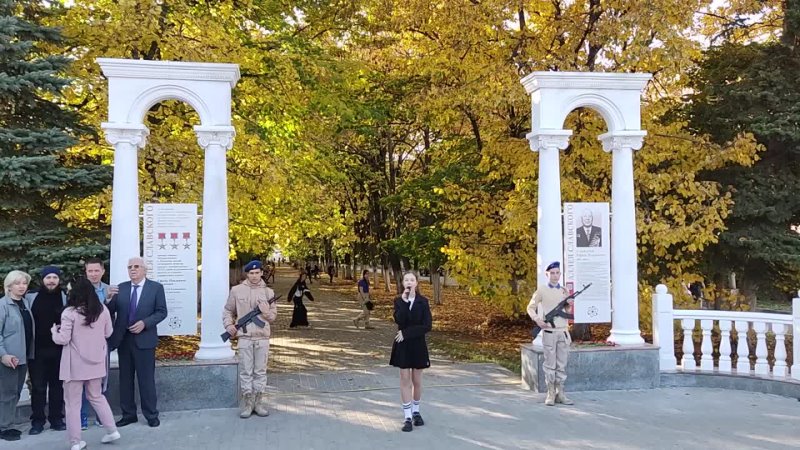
(587, 259)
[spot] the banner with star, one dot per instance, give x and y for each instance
(170, 251)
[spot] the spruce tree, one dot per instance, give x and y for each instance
(38, 177)
(755, 88)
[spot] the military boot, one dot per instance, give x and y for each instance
(550, 400)
(246, 405)
(261, 405)
(561, 397)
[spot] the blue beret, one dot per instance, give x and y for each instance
(253, 265)
(47, 270)
(553, 265)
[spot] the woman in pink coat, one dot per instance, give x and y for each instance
(85, 326)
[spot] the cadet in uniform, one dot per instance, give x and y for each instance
(555, 340)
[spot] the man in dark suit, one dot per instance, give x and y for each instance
(139, 305)
(588, 235)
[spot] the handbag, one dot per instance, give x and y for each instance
(370, 306)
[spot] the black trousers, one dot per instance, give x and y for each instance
(46, 387)
(141, 364)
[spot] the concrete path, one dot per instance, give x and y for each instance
(466, 406)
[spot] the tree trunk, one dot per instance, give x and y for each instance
(385, 268)
(436, 282)
(348, 260)
(394, 260)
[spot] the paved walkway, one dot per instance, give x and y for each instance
(466, 406)
(331, 388)
(332, 342)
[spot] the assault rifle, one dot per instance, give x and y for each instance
(558, 311)
(248, 318)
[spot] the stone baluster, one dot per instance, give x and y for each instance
(688, 345)
(706, 347)
(742, 350)
(796, 337)
(762, 366)
(725, 346)
(779, 369)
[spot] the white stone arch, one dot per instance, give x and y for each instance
(134, 86)
(157, 94)
(616, 97)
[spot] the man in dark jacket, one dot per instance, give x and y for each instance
(140, 305)
(46, 307)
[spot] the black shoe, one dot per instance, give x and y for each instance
(407, 425)
(10, 435)
(36, 429)
(153, 423)
(418, 422)
(58, 426)
(126, 421)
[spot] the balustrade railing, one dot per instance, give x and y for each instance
(730, 342)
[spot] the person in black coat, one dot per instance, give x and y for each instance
(296, 293)
(412, 314)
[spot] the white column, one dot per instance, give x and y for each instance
(216, 141)
(624, 274)
(127, 139)
(549, 235)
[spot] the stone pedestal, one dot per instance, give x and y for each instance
(596, 368)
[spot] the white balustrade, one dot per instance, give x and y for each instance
(731, 325)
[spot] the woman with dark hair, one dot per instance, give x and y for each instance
(85, 326)
(412, 314)
(296, 293)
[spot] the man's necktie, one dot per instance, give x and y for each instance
(132, 308)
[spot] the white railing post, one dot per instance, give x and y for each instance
(795, 338)
(706, 347)
(779, 368)
(762, 366)
(664, 328)
(742, 350)
(688, 345)
(725, 346)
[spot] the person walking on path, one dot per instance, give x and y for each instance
(364, 300)
(555, 340)
(253, 344)
(331, 272)
(412, 314)
(16, 348)
(85, 326)
(296, 293)
(46, 307)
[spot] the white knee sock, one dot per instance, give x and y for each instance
(415, 407)
(407, 410)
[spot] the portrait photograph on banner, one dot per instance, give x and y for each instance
(587, 259)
